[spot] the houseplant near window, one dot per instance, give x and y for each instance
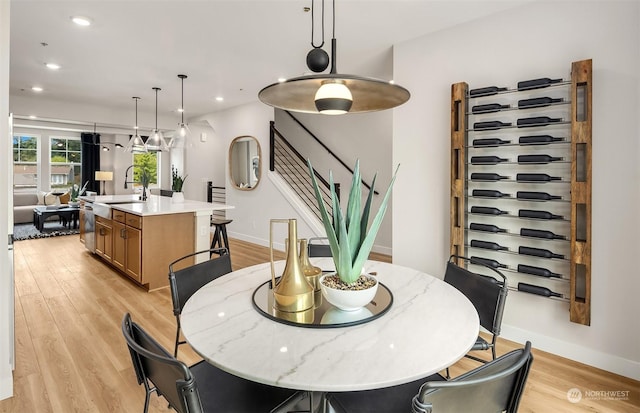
(350, 236)
(177, 182)
(145, 180)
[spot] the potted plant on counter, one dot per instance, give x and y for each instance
(177, 182)
(351, 240)
(145, 180)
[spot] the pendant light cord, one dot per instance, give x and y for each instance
(182, 99)
(334, 68)
(156, 89)
(313, 25)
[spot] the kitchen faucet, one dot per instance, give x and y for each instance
(125, 177)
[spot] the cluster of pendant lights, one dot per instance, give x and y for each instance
(332, 93)
(156, 141)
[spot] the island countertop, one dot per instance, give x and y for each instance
(154, 205)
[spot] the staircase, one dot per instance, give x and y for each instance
(292, 168)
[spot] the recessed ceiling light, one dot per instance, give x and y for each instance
(53, 66)
(81, 21)
(219, 98)
(282, 79)
(33, 117)
(36, 89)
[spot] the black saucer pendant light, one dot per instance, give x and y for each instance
(333, 93)
(136, 144)
(156, 142)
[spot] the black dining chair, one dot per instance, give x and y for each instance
(496, 386)
(199, 388)
(186, 281)
(487, 294)
(318, 247)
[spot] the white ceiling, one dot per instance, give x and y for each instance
(227, 48)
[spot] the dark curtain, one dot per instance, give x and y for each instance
(90, 160)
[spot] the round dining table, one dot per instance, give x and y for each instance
(429, 326)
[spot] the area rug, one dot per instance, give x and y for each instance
(51, 229)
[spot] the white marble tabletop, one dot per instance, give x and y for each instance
(429, 327)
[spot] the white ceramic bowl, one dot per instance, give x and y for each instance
(348, 300)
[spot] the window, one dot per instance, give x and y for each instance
(148, 161)
(66, 162)
(25, 163)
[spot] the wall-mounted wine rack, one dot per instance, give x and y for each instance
(521, 184)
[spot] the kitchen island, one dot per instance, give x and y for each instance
(141, 238)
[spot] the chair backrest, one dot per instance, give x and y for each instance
(152, 363)
(487, 294)
(318, 247)
(186, 281)
(493, 387)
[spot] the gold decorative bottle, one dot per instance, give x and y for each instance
(310, 271)
(292, 293)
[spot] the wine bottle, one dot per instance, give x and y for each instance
(489, 108)
(542, 272)
(481, 176)
(489, 193)
(537, 83)
(538, 139)
(536, 289)
(486, 261)
(486, 228)
(539, 159)
(487, 160)
(538, 252)
(490, 125)
(488, 245)
(537, 121)
(489, 142)
(538, 233)
(536, 196)
(536, 178)
(487, 211)
(537, 102)
(531, 213)
(486, 91)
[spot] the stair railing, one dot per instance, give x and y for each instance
(292, 167)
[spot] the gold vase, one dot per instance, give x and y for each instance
(310, 271)
(292, 293)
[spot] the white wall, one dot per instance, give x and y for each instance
(253, 209)
(6, 271)
(363, 136)
(538, 40)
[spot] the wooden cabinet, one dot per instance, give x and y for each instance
(119, 245)
(142, 247)
(104, 238)
(127, 244)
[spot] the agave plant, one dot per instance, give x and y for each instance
(350, 236)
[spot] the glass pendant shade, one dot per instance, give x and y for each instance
(183, 130)
(333, 98)
(156, 142)
(136, 144)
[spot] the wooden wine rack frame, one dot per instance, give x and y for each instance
(581, 176)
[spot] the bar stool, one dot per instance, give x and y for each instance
(220, 234)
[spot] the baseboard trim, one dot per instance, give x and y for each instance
(604, 361)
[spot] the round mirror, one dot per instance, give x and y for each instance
(245, 164)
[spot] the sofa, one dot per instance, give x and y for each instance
(25, 202)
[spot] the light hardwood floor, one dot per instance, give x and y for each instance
(71, 357)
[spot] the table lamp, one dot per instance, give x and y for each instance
(104, 176)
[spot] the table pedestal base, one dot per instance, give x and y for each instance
(305, 402)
